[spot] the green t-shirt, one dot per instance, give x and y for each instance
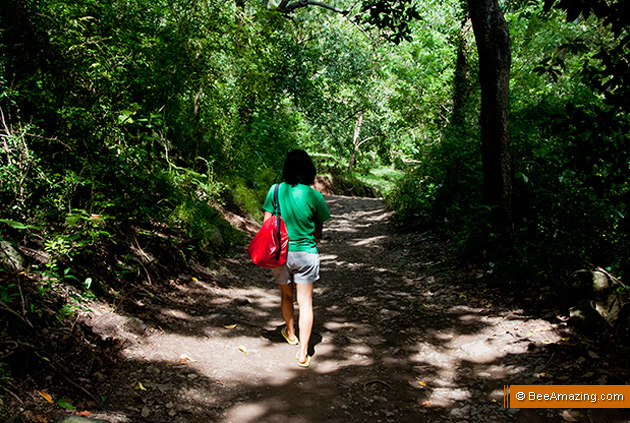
(301, 207)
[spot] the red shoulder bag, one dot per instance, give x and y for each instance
(269, 247)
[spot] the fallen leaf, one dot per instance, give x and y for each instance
(426, 403)
(195, 279)
(84, 413)
(230, 326)
(422, 383)
(140, 386)
(41, 419)
(243, 349)
(593, 354)
(183, 358)
(566, 415)
(45, 396)
(63, 403)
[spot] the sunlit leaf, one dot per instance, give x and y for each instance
(183, 358)
(140, 386)
(45, 396)
(422, 383)
(18, 225)
(230, 326)
(243, 349)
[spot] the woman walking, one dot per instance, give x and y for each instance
(304, 212)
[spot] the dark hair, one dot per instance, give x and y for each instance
(298, 168)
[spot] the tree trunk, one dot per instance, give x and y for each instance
(197, 134)
(493, 44)
(461, 82)
(355, 142)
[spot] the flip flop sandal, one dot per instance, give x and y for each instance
(305, 363)
(285, 334)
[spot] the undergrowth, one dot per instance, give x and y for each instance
(570, 211)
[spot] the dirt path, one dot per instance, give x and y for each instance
(401, 335)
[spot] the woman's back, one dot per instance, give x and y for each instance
(301, 207)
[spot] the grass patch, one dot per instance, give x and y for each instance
(383, 179)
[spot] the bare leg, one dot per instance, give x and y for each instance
(286, 304)
(305, 303)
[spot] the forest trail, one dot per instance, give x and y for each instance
(401, 335)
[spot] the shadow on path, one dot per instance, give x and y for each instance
(400, 336)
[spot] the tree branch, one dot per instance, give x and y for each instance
(287, 7)
(16, 314)
(366, 140)
(283, 5)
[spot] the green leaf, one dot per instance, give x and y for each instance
(522, 176)
(19, 225)
(72, 219)
(72, 277)
(65, 404)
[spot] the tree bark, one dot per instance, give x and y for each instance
(355, 141)
(462, 86)
(493, 44)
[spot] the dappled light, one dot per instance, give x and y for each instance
(473, 154)
(390, 343)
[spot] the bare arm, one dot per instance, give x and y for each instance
(266, 216)
(318, 231)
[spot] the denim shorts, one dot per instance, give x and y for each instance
(301, 268)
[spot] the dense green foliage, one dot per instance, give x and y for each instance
(132, 130)
(163, 114)
(569, 130)
(129, 130)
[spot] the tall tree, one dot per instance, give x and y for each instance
(493, 45)
(462, 85)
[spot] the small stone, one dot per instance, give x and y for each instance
(145, 411)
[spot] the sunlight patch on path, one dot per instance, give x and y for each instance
(451, 355)
(367, 241)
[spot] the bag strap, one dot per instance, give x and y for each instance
(274, 202)
(276, 211)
